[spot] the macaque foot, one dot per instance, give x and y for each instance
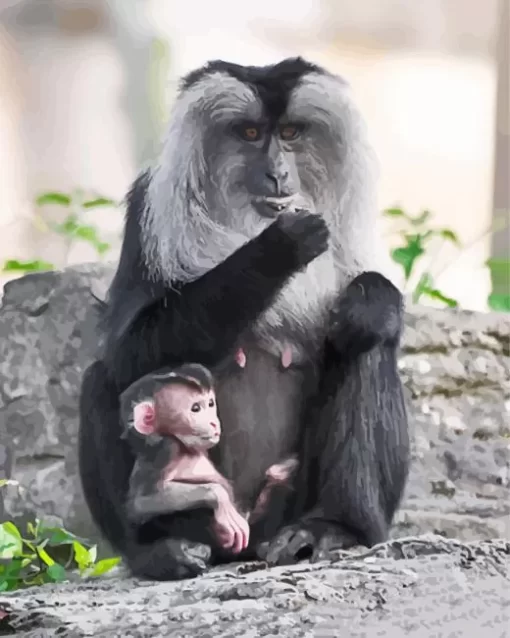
(308, 539)
(171, 559)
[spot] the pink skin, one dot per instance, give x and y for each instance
(276, 474)
(190, 416)
(286, 357)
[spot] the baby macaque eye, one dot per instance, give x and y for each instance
(195, 407)
(211, 403)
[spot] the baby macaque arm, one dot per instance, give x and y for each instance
(230, 527)
(173, 497)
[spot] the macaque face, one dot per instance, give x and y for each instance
(188, 414)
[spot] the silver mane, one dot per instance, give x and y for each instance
(185, 235)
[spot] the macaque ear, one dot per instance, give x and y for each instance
(144, 417)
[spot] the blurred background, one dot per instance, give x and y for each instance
(86, 87)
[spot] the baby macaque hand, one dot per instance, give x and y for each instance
(232, 530)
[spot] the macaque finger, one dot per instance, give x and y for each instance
(224, 527)
(242, 532)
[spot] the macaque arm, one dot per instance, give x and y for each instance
(230, 527)
(173, 497)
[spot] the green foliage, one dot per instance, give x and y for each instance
(54, 198)
(45, 555)
(36, 265)
(499, 298)
(72, 228)
(417, 239)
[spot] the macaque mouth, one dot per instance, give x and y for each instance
(274, 203)
(279, 203)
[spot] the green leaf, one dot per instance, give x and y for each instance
(499, 303)
(72, 228)
(12, 572)
(498, 299)
(81, 555)
(57, 535)
(104, 566)
(420, 219)
(53, 198)
(92, 554)
(394, 212)
(433, 293)
(30, 545)
(425, 282)
(28, 560)
(68, 226)
(449, 235)
(87, 233)
(57, 573)
(45, 557)
(102, 247)
(32, 529)
(406, 256)
(499, 267)
(15, 265)
(99, 201)
(11, 543)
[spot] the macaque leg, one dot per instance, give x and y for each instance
(230, 527)
(172, 497)
(277, 474)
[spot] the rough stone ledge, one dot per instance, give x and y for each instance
(424, 587)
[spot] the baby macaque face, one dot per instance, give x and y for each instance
(178, 410)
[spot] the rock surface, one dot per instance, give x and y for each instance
(455, 365)
(425, 587)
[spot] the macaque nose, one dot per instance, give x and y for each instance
(278, 181)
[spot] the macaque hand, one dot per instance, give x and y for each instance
(231, 529)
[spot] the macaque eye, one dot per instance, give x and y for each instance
(290, 132)
(195, 407)
(249, 132)
(211, 403)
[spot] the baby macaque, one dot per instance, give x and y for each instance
(175, 412)
(174, 420)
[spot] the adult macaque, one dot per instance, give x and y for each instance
(254, 232)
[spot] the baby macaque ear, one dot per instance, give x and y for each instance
(144, 417)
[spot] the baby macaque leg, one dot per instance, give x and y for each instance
(231, 529)
(282, 472)
(277, 474)
(170, 498)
